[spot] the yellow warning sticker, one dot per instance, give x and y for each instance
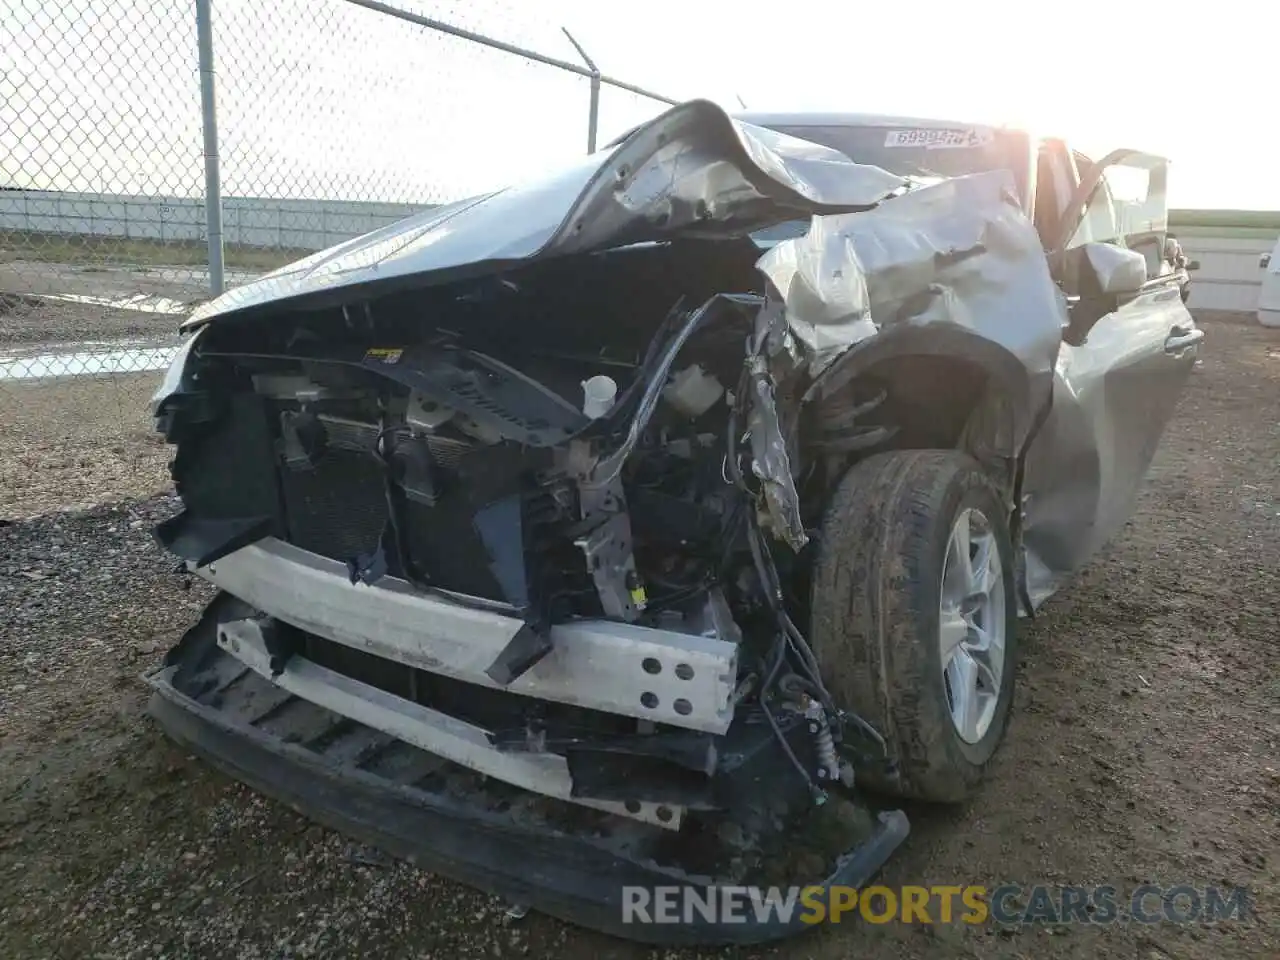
(384, 354)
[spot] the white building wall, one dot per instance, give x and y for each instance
(246, 221)
(1229, 277)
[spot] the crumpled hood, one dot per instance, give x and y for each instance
(693, 170)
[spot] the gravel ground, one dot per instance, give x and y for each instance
(1145, 747)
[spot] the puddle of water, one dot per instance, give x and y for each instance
(141, 302)
(187, 274)
(84, 363)
(16, 352)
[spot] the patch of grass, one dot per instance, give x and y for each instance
(1264, 220)
(129, 251)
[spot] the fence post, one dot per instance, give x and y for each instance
(212, 177)
(593, 109)
(593, 116)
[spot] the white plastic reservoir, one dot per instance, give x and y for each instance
(598, 395)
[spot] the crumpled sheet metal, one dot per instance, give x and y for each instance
(770, 461)
(1086, 466)
(823, 288)
(954, 256)
(700, 171)
(1078, 492)
(692, 171)
(957, 254)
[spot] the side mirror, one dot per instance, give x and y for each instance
(1193, 265)
(1264, 261)
(1108, 276)
(1120, 273)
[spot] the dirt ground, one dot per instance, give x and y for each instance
(1145, 747)
(64, 440)
(30, 324)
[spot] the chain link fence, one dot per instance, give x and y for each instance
(333, 118)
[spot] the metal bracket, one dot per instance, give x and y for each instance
(665, 676)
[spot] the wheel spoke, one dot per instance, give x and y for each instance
(953, 630)
(966, 704)
(972, 619)
(958, 575)
(978, 638)
(984, 569)
(988, 660)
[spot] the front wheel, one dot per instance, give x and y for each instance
(914, 616)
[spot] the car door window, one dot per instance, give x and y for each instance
(1100, 222)
(1129, 208)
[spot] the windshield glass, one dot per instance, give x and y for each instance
(925, 152)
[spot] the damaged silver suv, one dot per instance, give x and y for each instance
(661, 521)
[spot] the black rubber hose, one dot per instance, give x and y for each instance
(779, 656)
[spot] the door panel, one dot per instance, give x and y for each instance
(1112, 397)
(1115, 385)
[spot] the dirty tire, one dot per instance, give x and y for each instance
(875, 611)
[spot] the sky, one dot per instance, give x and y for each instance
(319, 98)
(1194, 82)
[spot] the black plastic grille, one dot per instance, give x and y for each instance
(338, 507)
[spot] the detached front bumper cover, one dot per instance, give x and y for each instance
(577, 877)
